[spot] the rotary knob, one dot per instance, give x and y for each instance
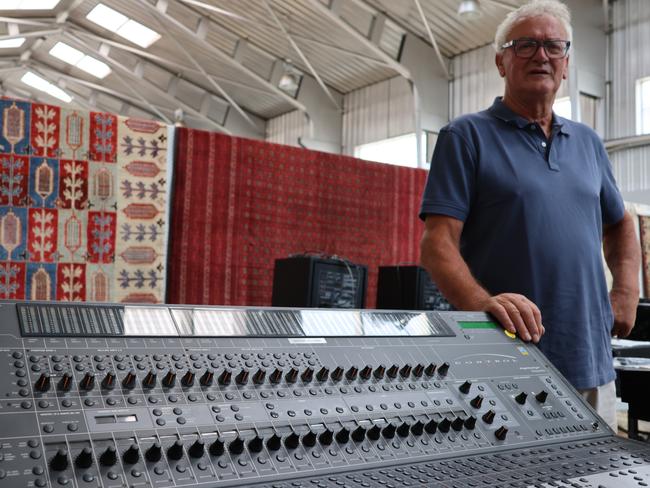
(418, 370)
(108, 457)
(322, 374)
(154, 453)
(256, 444)
(403, 429)
(259, 376)
(217, 448)
(225, 377)
(291, 376)
(307, 375)
(457, 424)
(443, 369)
(59, 461)
(488, 417)
(43, 383)
(501, 433)
(358, 434)
(197, 449)
(431, 426)
(169, 380)
(337, 374)
(541, 396)
(430, 370)
(326, 437)
(188, 379)
(129, 380)
(373, 432)
(389, 431)
(444, 425)
(276, 376)
(470, 422)
(84, 458)
(149, 381)
(405, 371)
(477, 401)
(417, 428)
(392, 371)
(291, 441)
(309, 439)
(521, 398)
(366, 372)
(465, 387)
(207, 378)
(343, 436)
(380, 371)
(274, 443)
(108, 383)
(242, 377)
(175, 451)
(65, 383)
(131, 455)
(351, 374)
(87, 383)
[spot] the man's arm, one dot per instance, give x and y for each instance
(440, 256)
(623, 257)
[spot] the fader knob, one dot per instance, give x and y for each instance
(373, 432)
(431, 426)
(274, 443)
(403, 429)
(60, 460)
(291, 441)
(309, 439)
(188, 379)
(392, 371)
(465, 387)
(259, 376)
(276, 376)
(216, 448)
(326, 437)
(65, 383)
(84, 459)
(256, 444)
(444, 425)
(131, 455)
(154, 453)
(457, 424)
(149, 381)
(477, 401)
(501, 433)
(337, 374)
(488, 417)
(470, 422)
(366, 372)
(430, 370)
(291, 376)
(108, 457)
(197, 449)
(343, 436)
(169, 380)
(242, 377)
(417, 428)
(541, 396)
(380, 371)
(87, 383)
(521, 398)
(443, 369)
(129, 380)
(175, 451)
(322, 374)
(225, 377)
(405, 371)
(207, 378)
(418, 370)
(236, 446)
(351, 373)
(108, 383)
(389, 431)
(358, 434)
(43, 383)
(307, 375)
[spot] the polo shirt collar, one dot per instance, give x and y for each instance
(501, 111)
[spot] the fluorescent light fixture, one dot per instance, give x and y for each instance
(28, 4)
(73, 56)
(43, 85)
(9, 43)
(469, 9)
(122, 25)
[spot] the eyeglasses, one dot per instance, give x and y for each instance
(527, 48)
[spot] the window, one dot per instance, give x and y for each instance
(401, 150)
(643, 106)
(562, 107)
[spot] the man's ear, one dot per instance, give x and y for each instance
(498, 60)
(565, 71)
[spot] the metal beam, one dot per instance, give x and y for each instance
(40, 33)
(218, 54)
(432, 38)
(365, 41)
(44, 22)
(301, 54)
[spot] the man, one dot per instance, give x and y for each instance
(517, 203)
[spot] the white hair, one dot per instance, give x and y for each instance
(554, 8)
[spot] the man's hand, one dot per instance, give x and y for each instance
(516, 313)
(624, 306)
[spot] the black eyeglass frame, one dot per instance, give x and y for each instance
(543, 44)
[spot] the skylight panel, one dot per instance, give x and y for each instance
(43, 85)
(66, 53)
(122, 25)
(94, 67)
(28, 4)
(138, 33)
(73, 56)
(11, 43)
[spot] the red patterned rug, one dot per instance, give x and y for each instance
(239, 204)
(83, 199)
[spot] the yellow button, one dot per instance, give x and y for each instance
(509, 334)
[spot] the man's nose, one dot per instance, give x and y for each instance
(540, 55)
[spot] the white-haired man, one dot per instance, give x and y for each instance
(517, 204)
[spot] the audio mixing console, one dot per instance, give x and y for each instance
(168, 396)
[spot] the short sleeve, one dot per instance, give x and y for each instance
(451, 181)
(611, 202)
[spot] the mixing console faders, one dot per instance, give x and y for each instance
(164, 396)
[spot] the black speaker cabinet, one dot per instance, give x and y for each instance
(310, 281)
(408, 288)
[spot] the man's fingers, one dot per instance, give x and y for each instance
(515, 315)
(500, 313)
(529, 320)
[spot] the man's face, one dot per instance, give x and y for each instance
(539, 75)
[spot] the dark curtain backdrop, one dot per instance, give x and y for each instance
(239, 204)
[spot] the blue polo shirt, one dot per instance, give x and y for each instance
(533, 210)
